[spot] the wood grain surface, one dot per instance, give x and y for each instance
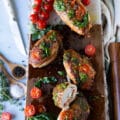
(95, 96)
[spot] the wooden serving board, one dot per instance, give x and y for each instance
(95, 96)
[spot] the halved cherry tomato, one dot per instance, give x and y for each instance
(48, 7)
(37, 2)
(36, 8)
(66, 114)
(30, 110)
(84, 68)
(44, 15)
(86, 2)
(41, 108)
(35, 93)
(6, 116)
(41, 24)
(34, 18)
(90, 50)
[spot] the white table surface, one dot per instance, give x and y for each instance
(8, 47)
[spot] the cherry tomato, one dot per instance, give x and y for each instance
(34, 18)
(36, 8)
(35, 55)
(50, 1)
(37, 2)
(86, 2)
(90, 50)
(66, 114)
(44, 15)
(30, 110)
(35, 93)
(6, 116)
(41, 108)
(84, 68)
(41, 24)
(48, 7)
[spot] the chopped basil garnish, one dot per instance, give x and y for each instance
(53, 36)
(59, 5)
(61, 73)
(71, 13)
(83, 23)
(66, 56)
(63, 85)
(45, 80)
(83, 77)
(75, 60)
(45, 47)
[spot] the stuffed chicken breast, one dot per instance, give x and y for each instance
(79, 69)
(45, 50)
(64, 94)
(74, 14)
(79, 110)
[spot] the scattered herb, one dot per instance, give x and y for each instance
(63, 85)
(61, 73)
(75, 60)
(45, 48)
(66, 56)
(53, 36)
(4, 88)
(82, 23)
(83, 77)
(45, 80)
(59, 5)
(71, 13)
(43, 116)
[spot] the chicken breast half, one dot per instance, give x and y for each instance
(45, 50)
(64, 94)
(74, 14)
(79, 110)
(79, 69)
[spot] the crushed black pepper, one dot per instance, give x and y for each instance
(18, 71)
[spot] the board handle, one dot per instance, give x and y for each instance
(114, 51)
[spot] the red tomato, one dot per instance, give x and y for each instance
(35, 55)
(37, 2)
(36, 8)
(90, 50)
(6, 116)
(48, 7)
(29, 110)
(44, 15)
(84, 68)
(41, 24)
(86, 2)
(34, 18)
(66, 114)
(50, 1)
(35, 93)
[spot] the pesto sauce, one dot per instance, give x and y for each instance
(59, 5)
(71, 13)
(83, 23)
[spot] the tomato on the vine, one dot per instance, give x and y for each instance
(6, 116)
(30, 110)
(90, 50)
(41, 24)
(34, 18)
(36, 8)
(37, 2)
(44, 15)
(50, 1)
(48, 7)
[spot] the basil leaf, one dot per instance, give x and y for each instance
(59, 5)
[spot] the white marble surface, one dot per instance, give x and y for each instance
(8, 47)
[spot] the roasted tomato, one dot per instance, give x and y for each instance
(34, 18)
(90, 50)
(6, 116)
(48, 7)
(41, 24)
(86, 2)
(35, 93)
(84, 68)
(37, 2)
(30, 110)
